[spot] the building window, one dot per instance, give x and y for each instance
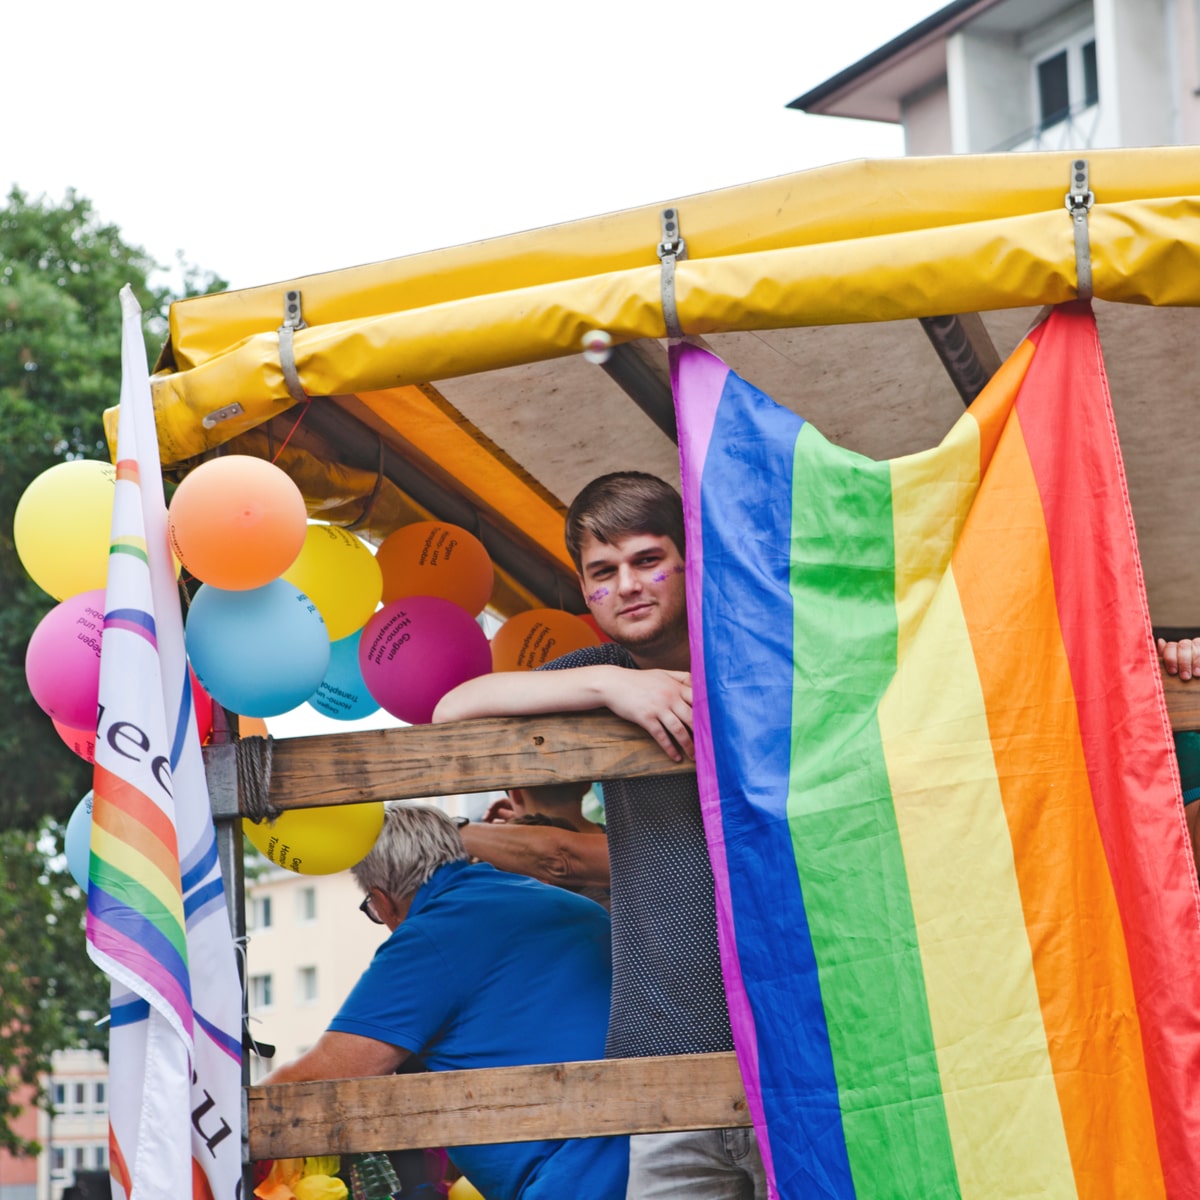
(80, 1158)
(261, 992)
(1091, 79)
(1067, 81)
(100, 1157)
(81, 1096)
(306, 985)
(100, 1094)
(1054, 95)
(58, 1095)
(58, 1159)
(306, 905)
(258, 913)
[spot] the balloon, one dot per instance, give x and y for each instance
(415, 650)
(63, 524)
(463, 1189)
(260, 652)
(78, 741)
(343, 695)
(77, 841)
(62, 662)
(318, 841)
(203, 705)
(237, 522)
(340, 576)
(251, 727)
(533, 638)
(433, 558)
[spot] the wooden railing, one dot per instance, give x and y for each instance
(513, 1103)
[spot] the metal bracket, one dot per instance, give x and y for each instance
(293, 319)
(671, 249)
(1079, 200)
(221, 414)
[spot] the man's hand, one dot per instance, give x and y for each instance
(1180, 658)
(661, 703)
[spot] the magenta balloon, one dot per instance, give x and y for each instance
(62, 663)
(415, 650)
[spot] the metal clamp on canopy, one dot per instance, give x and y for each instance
(1079, 200)
(293, 319)
(671, 249)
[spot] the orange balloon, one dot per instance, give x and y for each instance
(594, 626)
(79, 741)
(251, 727)
(237, 522)
(434, 558)
(533, 638)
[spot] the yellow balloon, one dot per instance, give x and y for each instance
(337, 572)
(318, 841)
(463, 1189)
(63, 525)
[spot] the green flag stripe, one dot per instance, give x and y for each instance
(843, 827)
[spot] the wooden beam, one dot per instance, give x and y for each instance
(507, 1104)
(965, 347)
(467, 756)
(492, 753)
(640, 370)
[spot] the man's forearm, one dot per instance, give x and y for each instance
(551, 855)
(518, 693)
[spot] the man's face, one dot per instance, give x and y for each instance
(635, 589)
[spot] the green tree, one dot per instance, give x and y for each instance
(61, 270)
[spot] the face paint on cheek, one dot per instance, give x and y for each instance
(597, 595)
(663, 576)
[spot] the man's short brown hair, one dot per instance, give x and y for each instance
(626, 502)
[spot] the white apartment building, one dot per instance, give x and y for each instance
(75, 1138)
(307, 944)
(992, 75)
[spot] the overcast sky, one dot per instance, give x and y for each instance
(270, 140)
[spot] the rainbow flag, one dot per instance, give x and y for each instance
(959, 917)
(157, 920)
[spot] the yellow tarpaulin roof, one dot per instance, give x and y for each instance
(407, 421)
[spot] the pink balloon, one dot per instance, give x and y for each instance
(78, 741)
(415, 650)
(62, 663)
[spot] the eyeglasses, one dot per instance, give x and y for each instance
(368, 909)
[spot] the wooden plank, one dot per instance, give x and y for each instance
(507, 1104)
(477, 756)
(467, 756)
(1183, 702)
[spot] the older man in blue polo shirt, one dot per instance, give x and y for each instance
(482, 969)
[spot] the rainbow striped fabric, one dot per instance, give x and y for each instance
(157, 920)
(959, 918)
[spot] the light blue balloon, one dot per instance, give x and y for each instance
(77, 841)
(342, 694)
(260, 652)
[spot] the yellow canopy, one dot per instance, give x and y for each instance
(855, 243)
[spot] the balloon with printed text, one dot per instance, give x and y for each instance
(337, 572)
(532, 639)
(415, 650)
(259, 652)
(318, 841)
(343, 695)
(62, 661)
(435, 558)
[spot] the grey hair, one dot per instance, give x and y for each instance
(415, 840)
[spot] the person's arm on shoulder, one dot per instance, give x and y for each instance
(543, 852)
(1180, 658)
(660, 702)
(340, 1056)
